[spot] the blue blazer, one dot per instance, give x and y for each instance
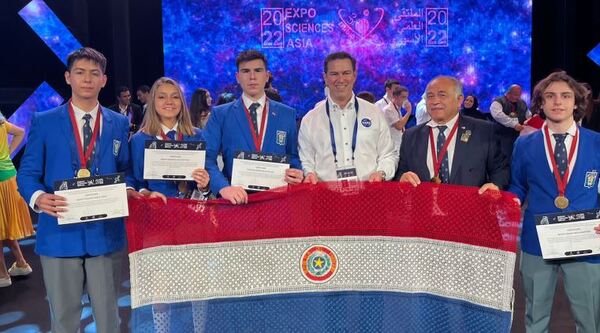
(136, 172)
(227, 132)
(476, 162)
(532, 178)
(51, 155)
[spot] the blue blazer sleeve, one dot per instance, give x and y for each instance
(135, 173)
(292, 143)
(214, 133)
(518, 176)
(31, 171)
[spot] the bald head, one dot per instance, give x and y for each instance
(514, 93)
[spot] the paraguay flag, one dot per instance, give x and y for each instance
(381, 257)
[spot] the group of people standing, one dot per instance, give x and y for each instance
(343, 138)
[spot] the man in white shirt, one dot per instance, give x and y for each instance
(390, 84)
(511, 112)
(344, 132)
(397, 114)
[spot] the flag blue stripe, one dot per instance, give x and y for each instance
(329, 312)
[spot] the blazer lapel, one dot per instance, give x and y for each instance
(240, 116)
(67, 130)
(104, 141)
(461, 147)
(422, 151)
(272, 125)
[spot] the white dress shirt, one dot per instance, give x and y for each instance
(374, 146)
(503, 118)
(451, 144)
(259, 111)
(383, 102)
(568, 142)
(166, 130)
(392, 116)
(421, 111)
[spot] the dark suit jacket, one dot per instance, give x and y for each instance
(475, 162)
(136, 115)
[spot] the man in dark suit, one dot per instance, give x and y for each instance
(249, 124)
(450, 148)
(128, 109)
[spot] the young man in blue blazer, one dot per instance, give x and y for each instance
(556, 169)
(230, 128)
(78, 255)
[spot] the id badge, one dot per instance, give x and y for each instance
(347, 174)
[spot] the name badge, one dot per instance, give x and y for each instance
(347, 174)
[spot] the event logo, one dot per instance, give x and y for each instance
(360, 27)
(318, 264)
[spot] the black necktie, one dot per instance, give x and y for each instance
(253, 116)
(560, 153)
(87, 135)
(444, 169)
(171, 134)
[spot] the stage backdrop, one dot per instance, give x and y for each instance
(487, 44)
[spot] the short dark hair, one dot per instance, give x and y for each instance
(399, 90)
(537, 100)
(367, 96)
(121, 89)
(390, 82)
(249, 55)
(143, 88)
(339, 56)
(86, 53)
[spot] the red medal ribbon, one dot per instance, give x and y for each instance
(437, 160)
(258, 139)
(561, 183)
(166, 138)
(90, 148)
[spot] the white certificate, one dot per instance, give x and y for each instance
(568, 235)
(93, 199)
(259, 171)
(173, 160)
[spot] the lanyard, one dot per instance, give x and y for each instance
(90, 148)
(437, 159)
(332, 134)
(258, 140)
(561, 183)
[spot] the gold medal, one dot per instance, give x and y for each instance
(83, 173)
(561, 202)
(436, 180)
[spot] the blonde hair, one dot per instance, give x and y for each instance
(151, 123)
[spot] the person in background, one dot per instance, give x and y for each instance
(398, 113)
(132, 111)
(225, 98)
(15, 222)
(142, 94)
(591, 116)
(389, 85)
(367, 96)
(471, 108)
(200, 107)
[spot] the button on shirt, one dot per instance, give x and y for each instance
(374, 146)
(451, 144)
(568, 142)
(259, 111)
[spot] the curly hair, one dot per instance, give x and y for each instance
(537, 100)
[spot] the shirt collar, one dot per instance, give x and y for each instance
(166, 130)
(248, 101)
(571, 130)
(334, 105)
(449, 124)
(79, 113)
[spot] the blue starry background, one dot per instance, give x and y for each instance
(489, 44)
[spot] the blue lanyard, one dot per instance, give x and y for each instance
(332, 134)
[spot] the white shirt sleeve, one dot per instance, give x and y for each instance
(501, 117)
(33, 199)
(305, 149)
(387, 156)
(421, 113)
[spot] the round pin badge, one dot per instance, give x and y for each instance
(366, 122)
